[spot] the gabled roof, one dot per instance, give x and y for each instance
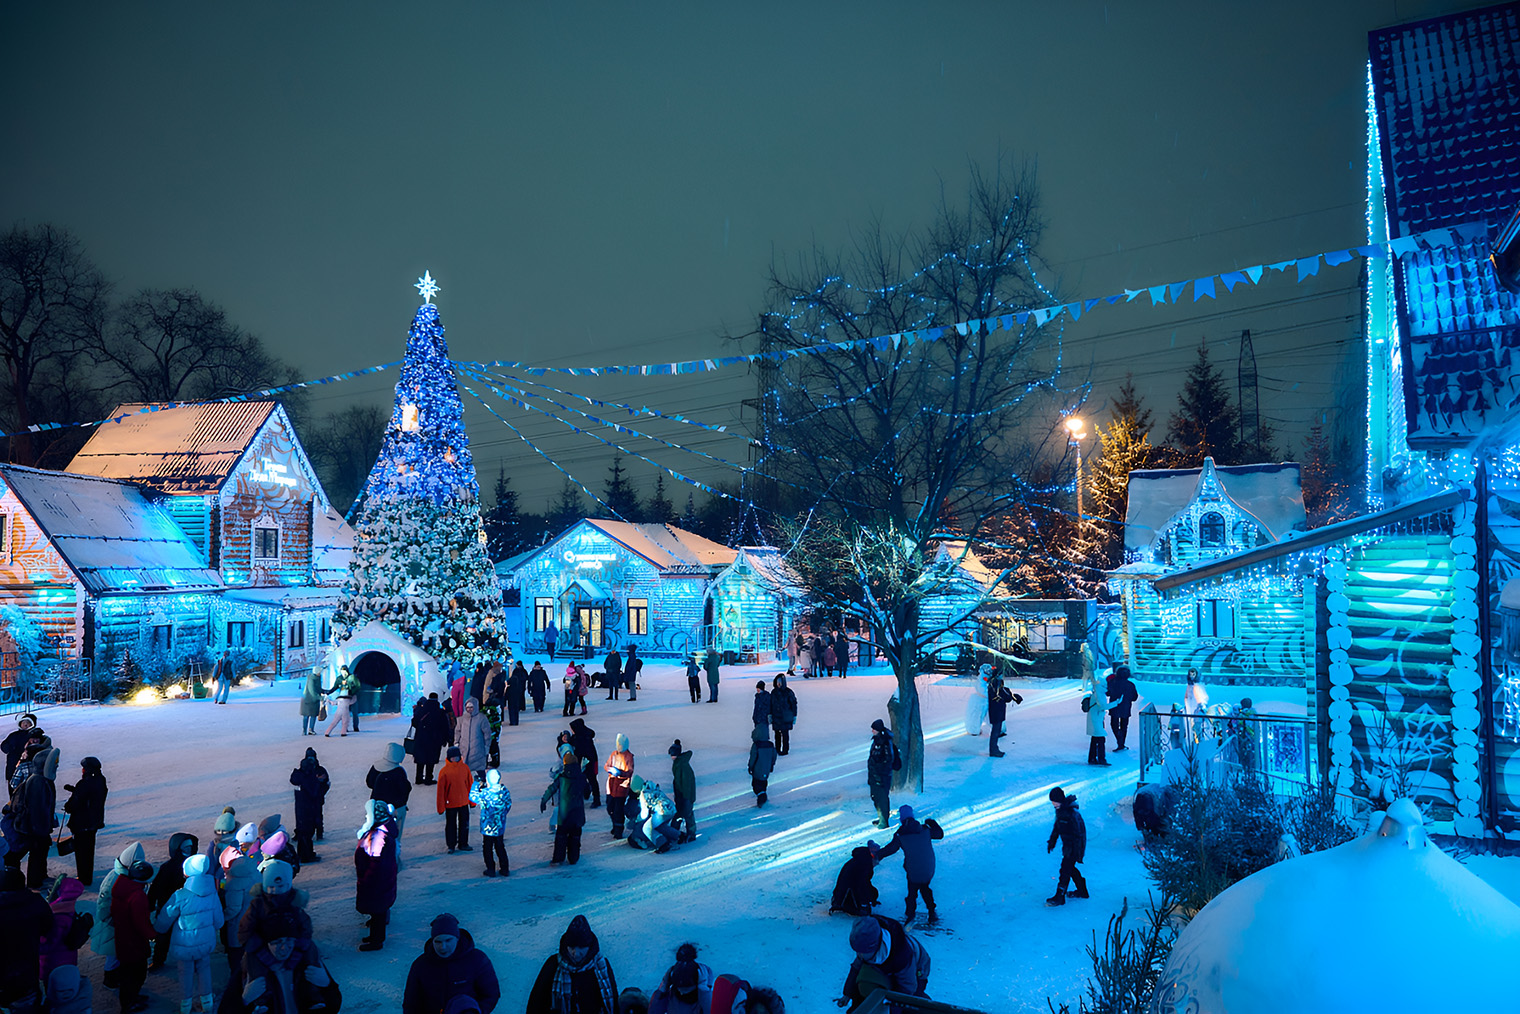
(174, 448)
(666, 546)
(968, 567)
(770, 568)
(1447, 97)
(1317, 537)
(1270, 493)
(109, 534)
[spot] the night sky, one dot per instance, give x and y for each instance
(608, 183)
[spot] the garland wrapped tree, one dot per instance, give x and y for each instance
(420, 563)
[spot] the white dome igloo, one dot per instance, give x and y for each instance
(1386, 923)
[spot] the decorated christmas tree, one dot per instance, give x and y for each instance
(420, 563)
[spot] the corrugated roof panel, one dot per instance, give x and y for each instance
(174, 448)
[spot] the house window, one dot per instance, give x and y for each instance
(5, 532)
(1216, 618)
(543, 613)
(1211, 530)
(326, 629)
(638, 616)
(239, 633)
(297, 633)
(163, 636)
(266, 543)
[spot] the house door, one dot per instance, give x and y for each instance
(591, 622)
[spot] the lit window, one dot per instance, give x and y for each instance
(1211, 530)
(1216, 618)
(638, 616)
(239, 633)
(409, 421)
(266, 543)
(298, 633)
(543, 613)
(5, 531)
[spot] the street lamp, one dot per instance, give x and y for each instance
(1075, 428)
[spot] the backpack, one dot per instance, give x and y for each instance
(1087, 704)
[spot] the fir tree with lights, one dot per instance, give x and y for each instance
(420, 563)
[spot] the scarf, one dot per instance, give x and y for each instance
(564, 991)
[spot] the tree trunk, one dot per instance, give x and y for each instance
(907, 731)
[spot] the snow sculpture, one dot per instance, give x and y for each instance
(1386, 923)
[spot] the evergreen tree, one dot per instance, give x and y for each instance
(503, 522)
(619, 495)
(1130, 407)
(660, 510)
(689, 515)
(1206, 423)
(419, 562)
(1328, 498)
(567, 507)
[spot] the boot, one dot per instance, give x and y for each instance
(186, 1005)
(208, 1003)
(1059, 899)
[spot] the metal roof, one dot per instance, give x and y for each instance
(173, 448)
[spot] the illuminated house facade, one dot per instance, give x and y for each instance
(754, 601)
(176, 533)
(646, 585)
(1180, 518)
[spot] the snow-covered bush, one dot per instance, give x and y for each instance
(1316, 821)
(1215, 835)
(1126, 964)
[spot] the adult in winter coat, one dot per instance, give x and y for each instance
(345, 690)
(473, 737)
(577, 979)
(103, 935)
(842, 653)
(1123, 693)
(223, 675)
(619, 770)
(33, 757)
(1071, 831)
(613, 665)
(854, 893)
(551, 638)
(494, 802)
(33, 809)
(762, 760)
(683, 785)
(576, 641)
(538, 686)
(375, 868)
(428, 741)
(191, 918)
(710, 663)
(760, 713)
(916, 843)
(631, 670)
(86, 807)
(693, 679)
(311, 702)
(517, 692)
(388, 783)
(880, 763)
(583, 738)
(24, 920)
(783, 713)
(454, 803)
(285, 975)
(312, 783)
(170, 878)
(998, 699)
(274, 894)
(450, 965)
(134, 934)
(1095, 704)
(16, 742)
(567, 790)
(892, 952)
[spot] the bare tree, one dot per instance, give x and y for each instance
(906, 444)
(343, 449)
(52, 305)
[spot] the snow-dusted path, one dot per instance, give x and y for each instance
(752, 892)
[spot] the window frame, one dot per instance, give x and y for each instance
(638, 617)
(1207, 616)
(1208, 522)
(296, 634)
(245, 633)
(255, 530)
(543, 613)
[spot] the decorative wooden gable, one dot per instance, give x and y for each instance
(1214, 524)
(266, 509)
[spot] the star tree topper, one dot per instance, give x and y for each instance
(427, 287)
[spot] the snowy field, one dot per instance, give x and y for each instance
(752, 892)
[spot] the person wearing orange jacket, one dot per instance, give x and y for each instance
(619, 770)
(454, 802)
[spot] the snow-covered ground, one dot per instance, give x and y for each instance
(752, 893)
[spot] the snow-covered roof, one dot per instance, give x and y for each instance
(332, 547)
(968, 566)
(175, 448)
(666, 546)
(770, 568)
(285, 597)
(112, 537)
(1271, 493)
(505, 568)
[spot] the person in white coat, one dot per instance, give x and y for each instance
(976, 704)
(193, 915)
(1095, 704)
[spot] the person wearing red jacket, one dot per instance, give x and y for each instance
(454, 802)
(619, 771)
(134, 935)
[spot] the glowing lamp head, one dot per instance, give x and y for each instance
(1076, 427)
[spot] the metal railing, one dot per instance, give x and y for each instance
(64, 681)
(1277, 747)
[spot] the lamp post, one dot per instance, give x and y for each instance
(1075, 429)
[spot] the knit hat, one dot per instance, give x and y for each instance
(566, 750)
(454, 753)
(444, 925)
(280, 925)
(905, 812)
(1057, 795)
(621, 742)
(684, 977)
(195, 866)
(269, 825)
(1122, 671)
(675, 749)
(141, 871)
(395, 753)
(91, 764)
(879, 726)
(867, 937)
(276, 876)
(760, 684)
(274, 843)
(226, 821)
(635, 785)
(247, 834)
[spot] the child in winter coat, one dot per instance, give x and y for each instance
(71, 927)
(192, 916)
(655, 829)
(619, 770)
(68, 992)
(170, 878)
(762, 759)
(1095, 704)
(274, 894)
(133, 934)
(567, 790)
(854, 894)
(454, 802)
(240, 871)
(494, 801)
(683, 784)
(375, 867)
(103, 935)
(388, 783)
(311, 782)
(572, 682)
(686, 986)
(693, 679)
(916, 843)
(1071, 831)
(583, 738)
